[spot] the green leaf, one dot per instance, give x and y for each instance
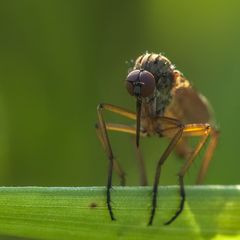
(211, 212)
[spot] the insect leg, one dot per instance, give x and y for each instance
(116, 165)
(214, 135)
(164, 156)
(119, 110)
(107, 146)
(132, 130)
(172, 122)
(202, 130)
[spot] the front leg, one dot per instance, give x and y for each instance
(103, 135)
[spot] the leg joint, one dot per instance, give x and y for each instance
(100, 106)
(208, 129)
(180, 175)
(181, 125)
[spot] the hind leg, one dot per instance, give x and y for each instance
(208, 155)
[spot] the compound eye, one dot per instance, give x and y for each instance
(143, 79)
(148, 85)
(131, 80)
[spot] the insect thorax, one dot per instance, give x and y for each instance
(162, 70)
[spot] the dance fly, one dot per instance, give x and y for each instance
(166, 106)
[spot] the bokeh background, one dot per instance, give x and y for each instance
(59, 59)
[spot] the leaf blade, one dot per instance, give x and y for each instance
(80, 213)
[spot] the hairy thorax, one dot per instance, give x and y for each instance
(173, 97)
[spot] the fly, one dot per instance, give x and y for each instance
(167, 106)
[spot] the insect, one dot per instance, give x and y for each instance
(167, 106)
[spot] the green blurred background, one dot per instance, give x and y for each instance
(59, 59)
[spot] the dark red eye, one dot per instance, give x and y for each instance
(140, 82)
